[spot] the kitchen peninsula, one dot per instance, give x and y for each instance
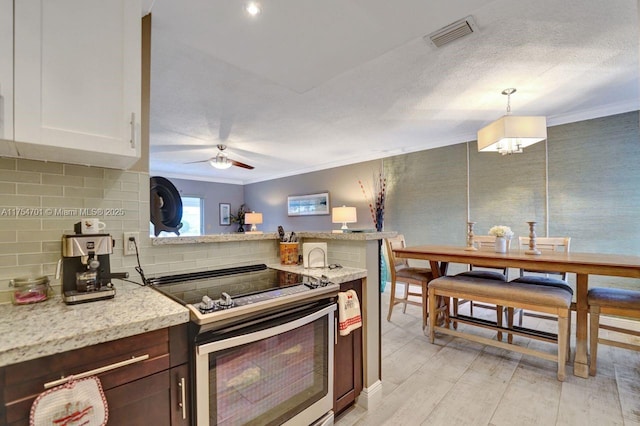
(54, 332)
(360, 250)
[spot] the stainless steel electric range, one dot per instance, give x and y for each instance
(262, 345)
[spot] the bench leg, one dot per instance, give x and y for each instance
(563, 323)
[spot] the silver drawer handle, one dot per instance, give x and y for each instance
(109, 367)
(183, 398)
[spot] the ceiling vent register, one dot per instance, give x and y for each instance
(452, 32)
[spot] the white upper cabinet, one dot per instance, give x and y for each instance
(6, 78)
(77, 81)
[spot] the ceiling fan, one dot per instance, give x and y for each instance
(222, 160)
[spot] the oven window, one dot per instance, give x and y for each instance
(271, 380)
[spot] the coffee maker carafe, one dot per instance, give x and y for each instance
(86, 272)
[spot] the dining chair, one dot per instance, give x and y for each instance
(400, 271)
(612, 301)
(554, 279)
(482, 242)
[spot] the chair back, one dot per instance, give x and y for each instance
(394, 263)
(488, 242)
(548, 244)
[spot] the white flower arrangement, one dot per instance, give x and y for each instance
(501, 231)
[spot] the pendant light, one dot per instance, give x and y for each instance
(510, 134)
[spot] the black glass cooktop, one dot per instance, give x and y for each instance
(190, 288)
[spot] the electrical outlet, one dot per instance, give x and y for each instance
(130, 246)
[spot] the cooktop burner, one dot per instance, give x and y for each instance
(233, 292)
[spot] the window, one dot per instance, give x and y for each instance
(192, 219)
(192, 215)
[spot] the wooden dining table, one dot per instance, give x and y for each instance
(581, 264)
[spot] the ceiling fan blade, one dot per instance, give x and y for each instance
(201, 161)
(239, 164)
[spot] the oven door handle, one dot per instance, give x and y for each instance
(208, 348)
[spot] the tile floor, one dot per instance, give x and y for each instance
(458, 382)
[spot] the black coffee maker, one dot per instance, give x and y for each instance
(86, 272)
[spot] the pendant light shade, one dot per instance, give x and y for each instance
(510, 134)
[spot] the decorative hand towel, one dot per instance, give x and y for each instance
(77, 402)
(349, 317)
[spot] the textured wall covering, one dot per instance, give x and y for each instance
(594, 184)
(507, 189)
(427, 195)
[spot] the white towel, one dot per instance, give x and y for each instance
(349, 317)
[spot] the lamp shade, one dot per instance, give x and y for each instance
(253, 218)
(343, 215)
(512, 133)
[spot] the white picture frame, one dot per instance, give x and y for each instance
(308, 205)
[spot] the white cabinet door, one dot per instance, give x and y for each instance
(77, 81)
(6, 78)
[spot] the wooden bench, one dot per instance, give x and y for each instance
(545, 299)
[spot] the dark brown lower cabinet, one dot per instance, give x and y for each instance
(148, 392)
(348, 360)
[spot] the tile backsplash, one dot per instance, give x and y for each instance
(41, 201)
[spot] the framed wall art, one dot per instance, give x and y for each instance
(308, 205)
(225, 214)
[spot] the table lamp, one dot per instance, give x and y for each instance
(343, 215)
(253, 219)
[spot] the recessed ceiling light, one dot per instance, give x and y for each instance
(253, 8)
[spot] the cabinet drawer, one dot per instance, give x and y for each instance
(22, 383)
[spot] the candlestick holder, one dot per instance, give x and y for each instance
(470, 246)
(532, 239)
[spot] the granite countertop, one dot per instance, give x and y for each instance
(50, 327)
(338, 275)
(350, 236)
(233, 237)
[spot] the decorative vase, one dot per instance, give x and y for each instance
(501, 245)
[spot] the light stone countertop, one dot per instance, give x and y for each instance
(50, 327)
(234, 237)
(338, 275)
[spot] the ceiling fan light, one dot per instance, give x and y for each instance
(253, 8)
(220, 162)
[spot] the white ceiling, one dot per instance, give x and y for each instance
(309, 85)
